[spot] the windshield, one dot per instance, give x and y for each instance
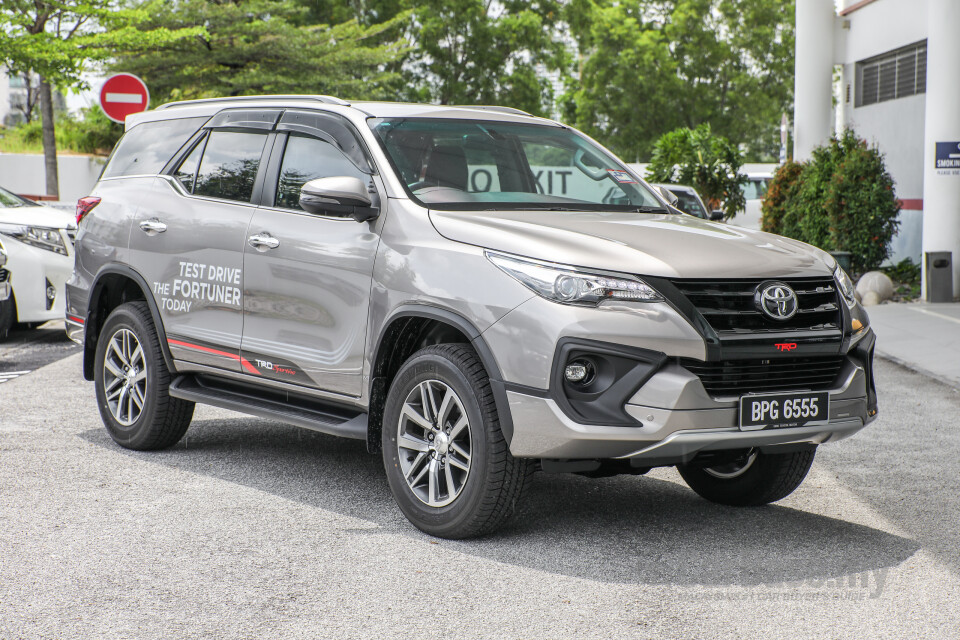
(10, 200)
(486, 165)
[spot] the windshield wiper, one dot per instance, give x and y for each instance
(651, 210)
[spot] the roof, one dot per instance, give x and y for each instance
(209, 106)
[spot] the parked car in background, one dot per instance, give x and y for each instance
(4, 274)
(689, 201)
(753, 191)
(38, 243)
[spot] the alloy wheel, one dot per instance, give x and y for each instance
(125, 377)
(733, 469)
(433, 443)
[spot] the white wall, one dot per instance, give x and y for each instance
(24, 173)
(896, 127)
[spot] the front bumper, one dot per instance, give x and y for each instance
(660, 419)
(31, 271)
(676, 420)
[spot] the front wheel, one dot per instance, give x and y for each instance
(447, 462)
(753, 479)
(132, 381)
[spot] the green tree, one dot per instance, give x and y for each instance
(264, 46)
(651, 66)
(479, 52)
(841, 200)
(709, 163)
(60, 39)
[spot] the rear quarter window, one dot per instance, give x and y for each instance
(147, 147)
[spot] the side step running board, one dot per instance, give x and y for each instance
(293, 409)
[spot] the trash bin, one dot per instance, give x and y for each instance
(939, 276)
(843, 258)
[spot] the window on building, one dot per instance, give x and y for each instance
(896, 74)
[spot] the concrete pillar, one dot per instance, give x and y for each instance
(813, 79)
(941, 187)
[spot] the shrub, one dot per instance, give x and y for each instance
(780, 192)
(706, 162)
(841, 200)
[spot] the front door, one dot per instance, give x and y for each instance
(188, 241)
(307, 277)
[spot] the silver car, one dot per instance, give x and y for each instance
(474, 292)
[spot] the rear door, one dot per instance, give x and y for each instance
(307, 290)
(190, 235)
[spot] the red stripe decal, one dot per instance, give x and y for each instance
(915, 204)
(243, 361)
(75, 319)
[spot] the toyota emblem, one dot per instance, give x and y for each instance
(776, 300)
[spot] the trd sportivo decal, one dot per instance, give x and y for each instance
(786, 346)
(249, 368)
(267, 366)
(279, 369)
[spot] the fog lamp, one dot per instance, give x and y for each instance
(579, 371)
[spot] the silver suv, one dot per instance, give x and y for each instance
(474, 292)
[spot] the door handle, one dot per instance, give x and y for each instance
(263, 241)
(152, 226)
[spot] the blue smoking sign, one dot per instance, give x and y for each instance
(948, 155)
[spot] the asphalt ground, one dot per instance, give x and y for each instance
(25, 350)
(253, 529)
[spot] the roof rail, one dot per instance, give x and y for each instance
(488, 107)
(323, 99)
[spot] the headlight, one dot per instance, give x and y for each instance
(568, 285)
(845, 284)
(40, 237)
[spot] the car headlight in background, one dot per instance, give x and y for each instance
(845, 284)
(568, 285)
(40, 237)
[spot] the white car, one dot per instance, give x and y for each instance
(38, 243)
(754, 189)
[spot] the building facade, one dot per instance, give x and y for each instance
(889, 70)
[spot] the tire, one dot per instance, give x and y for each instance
(161, 420)
(8, 316)
(462, 503)
(757, 479)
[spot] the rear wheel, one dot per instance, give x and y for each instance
(132, 381)
(752, 479)
(446, 459)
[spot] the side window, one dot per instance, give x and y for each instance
(305, 159)
(187, 172)
(147, 147)
(229, 165)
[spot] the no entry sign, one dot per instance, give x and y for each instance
(123, 94)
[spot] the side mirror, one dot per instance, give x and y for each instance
(340, 195)
(716, 215)
(669, 196)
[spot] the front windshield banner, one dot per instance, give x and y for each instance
(485, 165)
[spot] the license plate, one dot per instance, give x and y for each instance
(782, 410)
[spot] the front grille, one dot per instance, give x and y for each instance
(728, 305)
(4, 274)
(737, 377)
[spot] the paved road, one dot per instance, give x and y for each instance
(251, 529)
(24, 350)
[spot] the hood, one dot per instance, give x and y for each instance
(38, 217)
(665, 245)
